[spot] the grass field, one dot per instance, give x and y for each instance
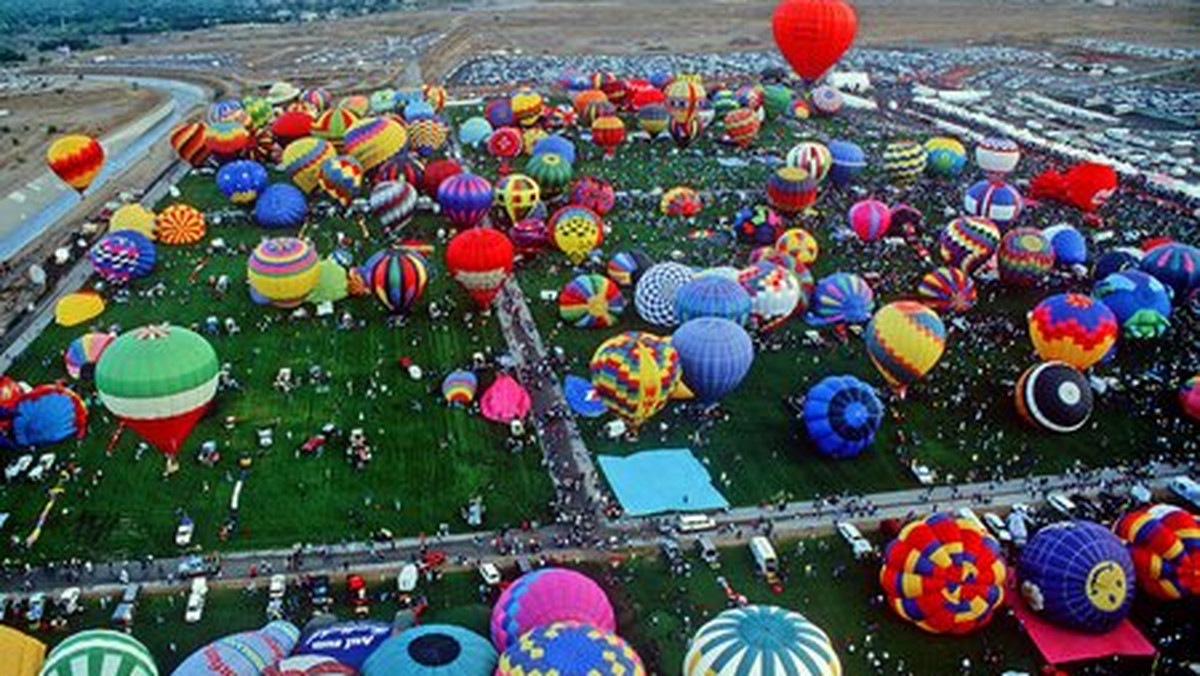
(428, 462)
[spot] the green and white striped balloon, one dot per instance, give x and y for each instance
(761, 640)
(100, 652)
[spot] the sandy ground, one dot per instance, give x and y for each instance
(69, 107)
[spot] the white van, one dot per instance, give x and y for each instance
(692, 523)
(764, 556)
(1061, 504)
(1186, 489)
(854, 537)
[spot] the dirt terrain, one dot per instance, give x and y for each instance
(37, 113)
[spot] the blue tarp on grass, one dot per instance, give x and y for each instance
(667, 480)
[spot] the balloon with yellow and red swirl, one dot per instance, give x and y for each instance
(1073, 328)
(945, 574)
(1164, 543)
(188, 139)
(480, 259)
(341, 178)
(608, 132)
(527, 106)
(76, 159)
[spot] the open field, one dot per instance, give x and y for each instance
(429, 461)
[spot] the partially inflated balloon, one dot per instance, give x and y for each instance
(189, 140)
(968, 243)
(1141, 303)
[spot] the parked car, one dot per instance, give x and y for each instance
(854, 537)
(996, 525)
(708, 552)
(318, 592)
(1061, 504)
(196, 565)
(277, 587)
(692, 523)
(68, 601)
(358, 598)
(36, 611)
(130, 593)
(674, 556)
(123, 615)
(765, 559)
(490, 573)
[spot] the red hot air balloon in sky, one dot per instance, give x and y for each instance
(813, 34)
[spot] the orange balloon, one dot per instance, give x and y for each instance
(76, 159)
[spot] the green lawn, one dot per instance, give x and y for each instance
(428, 462)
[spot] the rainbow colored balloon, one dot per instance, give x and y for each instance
(459, 387)
(375, 140)
(947, 289)
(634, 374)
(283, 270)
(591, 302)
(397, 277)
(1073, 328)
(1164, 542)
(841, 298)
(813, 157)
(1025, 257)
(799, 244)
(945, 574)
(905, 340)
(333, 124)
(82, 354)
(968, 243)
(341, 178)
(302, 160)
(791, 190)
(947, 156)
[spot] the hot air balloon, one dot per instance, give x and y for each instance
(1117, 260)
(1000, 203)
(499, 112)
(76, 308)
(683, 133)
(591, 302)
(812, 157)
(189, 140)
(226, 140)
(82, 354)
(1175, 265)
(465, 199)
(903, 161)
(76, 159)
(133, 217)
(594, 193)
(341, 178)
(680, 201)
(1077, 574)
(48, 414)
(608, 132)
(968, 243)
(120, 257)
(1073, 328)
(526, 106)
(281, 206)
(427, 136)
(826, 100)
(349, 643)
(283, 270)
(791, 190)
(570, 649)
(333, 283)
(1189, 397)
(519, 195)
(302, 161)
(870, 219)
(551, 172)
(905, 340)
(777, 100)
(626, 267)
(654, 118)
(436, 173)
(1070, 248)
(1141, 303)
(799, 244)
(576, 230)
(1164, 543)
(775, 294)
(946, 156)
(259, 111)
(742, 640)
(291, 126)
(244, 654)
(813, 34)
(841, 415)
(683, 99)
(397, 277)
(332, 125)
(546, 596)
(654, 296)
(505, 143)
(715, 355)
(480, 259)
(1024, 257)
(1089, 185)
(1054, 396)
(393, 203)
(459, 387)
(634, 374)
(847, 161)
(374, 140)
(228, 110)
(433, 650)
(241, 181)
(758, 225)
(158, 380)
(308, 665)
(742, 125)
(179, 224)
(997, 157)
(474, 131)
(710, 295)
(840, 298)
(99, 652)
(947, 290)
(944, 574)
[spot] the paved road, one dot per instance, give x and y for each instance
(46, 200)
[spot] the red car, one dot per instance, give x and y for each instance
(360, 601)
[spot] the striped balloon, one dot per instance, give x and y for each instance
(332, 125)
(283, 270)
(1164, 542)
(341, 178)
(998, 202)
(791, 190)
(840, 298)
(905, 340)
(546, 596)
(427, 135)
(813, 157)
(302, 160)
(742, 125)
(948, 289)
(997, 157)
(188, 140)
(99, 652)
(398, 279)
(1025, 257)
(179, 224)
(869, 219)
(393, 203)
(465, 199)
(947, 156)
(375, 140)
(226, 140)
(968, 243)
(745, 640)
(903, 161)
(591, 302)
(82, 354)
(459, 387)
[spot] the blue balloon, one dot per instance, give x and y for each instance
(1176, 265)
(715, 355)
(241, 181)
(282, 205)
(1141, 303)
(849, 160)
(350, 643)
(474, 131)
(1116, 261)
(1070, 248)
(123, 255)
(46, 417)
(556, 144)
(661, 78)
(840, 298)
(842, 414)
(711, 295)
(1077, 574)
(418, 110)
(433, 650)
(582, 398)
